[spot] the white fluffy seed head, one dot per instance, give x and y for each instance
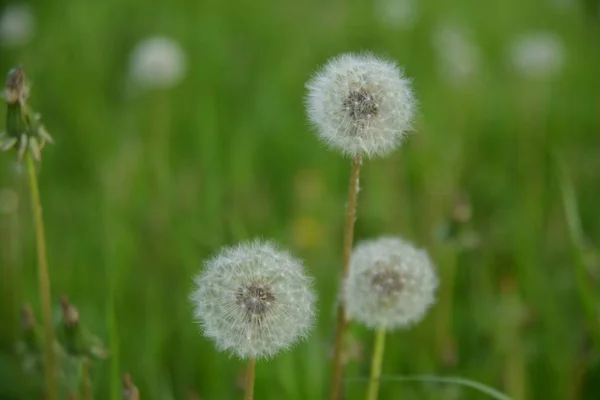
(157, 62)
(537, 55)
(458, 53)
(360, 105)
(397, 14)
(254, 300)
(391, 284)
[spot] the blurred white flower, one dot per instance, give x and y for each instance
(563, 5)
(396, 14)
(254, 300)
(458, 53)
(157, 62)
(537, 55)
(16, 25)
(360, 105)
(391, 284)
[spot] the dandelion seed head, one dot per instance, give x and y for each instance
(459, 55)
(360, 105)
(16, 25)
(563, 5)
(391, 284)
(397, 14)
(254, 300)
(157, 62)
(24, 129)
(538, 55)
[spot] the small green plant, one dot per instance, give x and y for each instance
(26, 134)
(79, 343)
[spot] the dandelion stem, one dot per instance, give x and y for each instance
(336, 382)
(446, 344)
(44, 280)
(86, 379)
(250, 372)
(376, 361)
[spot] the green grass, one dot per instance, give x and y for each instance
(242, 162)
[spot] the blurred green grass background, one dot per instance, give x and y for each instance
(140, 187)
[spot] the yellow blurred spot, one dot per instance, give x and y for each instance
(308, 186)
(307, 232)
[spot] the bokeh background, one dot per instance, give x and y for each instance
(157, 164)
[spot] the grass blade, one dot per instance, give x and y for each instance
(578, 249)
(493, 393)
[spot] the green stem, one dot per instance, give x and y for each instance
(445, 338)
(376, 362)
(43, 280)
(250, 372)
(113, 335)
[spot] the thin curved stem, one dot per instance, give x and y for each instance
(250, 373)
(450, 380)
(43, 281)
(376, 362)
(337, 376)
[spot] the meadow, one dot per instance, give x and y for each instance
(499, 182)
